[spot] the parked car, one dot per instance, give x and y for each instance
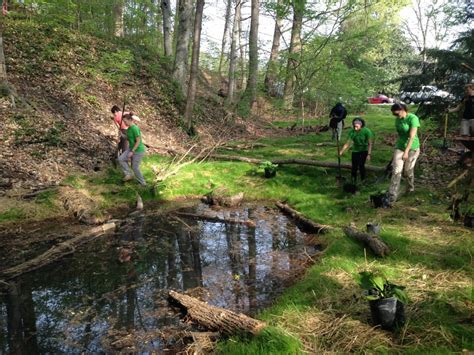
(424, 94)
(380, 99)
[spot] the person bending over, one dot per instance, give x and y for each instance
(134, 153)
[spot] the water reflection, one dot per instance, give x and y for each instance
(111, 295)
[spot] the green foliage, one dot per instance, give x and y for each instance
(53, 135)
(378, 287)
(115, 66)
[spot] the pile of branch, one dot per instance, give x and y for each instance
(375, 244)
(324, 164)
(305, 223)
(57, 252)
(216, 318)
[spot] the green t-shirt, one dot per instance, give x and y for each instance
(132, 133)
(403, 126)
(361, 139)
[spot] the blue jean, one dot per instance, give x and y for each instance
(136, 160)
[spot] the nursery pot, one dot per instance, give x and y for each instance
(380, 201)
(269, 173)
(373, 228)
(469, 221)
(387, 313)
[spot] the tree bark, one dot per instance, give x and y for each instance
(188, 115)
(294, 51)
(373, 242)
(241, 58)
(306, 223)
(216, 318)
(167, 41)
(3, 67)
(118, 17)
(251, 89)
(270, 75)
(225, 35)
(185, 11)
(233, 52)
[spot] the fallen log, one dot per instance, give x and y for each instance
(216, 218)
(306, 223)
(376, 244)
(323, 164)
(57, 252)
(216, 318)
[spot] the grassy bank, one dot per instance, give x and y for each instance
(324, 311)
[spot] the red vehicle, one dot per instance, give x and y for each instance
(380, 99)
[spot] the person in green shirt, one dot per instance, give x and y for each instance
(362, 138)
(407, 150)
(134, 153)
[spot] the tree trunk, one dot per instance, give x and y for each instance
(251, 89)
(118, 17)
(3, 67)
(185, 12)
(242, 58)
(294, 51)
(304, 222)
(188, 115)
(233, 52)
(373, 242)
(217, 318)
(225, 35)
(270, 76)
(167, 42)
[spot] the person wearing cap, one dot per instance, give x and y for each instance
(118, 120)
(362, 138)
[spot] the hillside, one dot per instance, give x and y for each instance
(66, 83)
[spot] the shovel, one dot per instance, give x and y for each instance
(339, 178)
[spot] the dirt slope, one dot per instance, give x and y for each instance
(68, 82)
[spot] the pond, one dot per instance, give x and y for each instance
(111, 294)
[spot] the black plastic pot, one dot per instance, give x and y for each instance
(387, 313)
(269, 173)
(469, 221)
(380, 201)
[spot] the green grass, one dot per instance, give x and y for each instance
(325, 311)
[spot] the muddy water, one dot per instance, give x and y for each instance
(112, 294)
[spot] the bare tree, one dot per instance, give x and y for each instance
(251, 90)
(233, 51)
(3, 68)
(167, 41)
(271, 68)
(294, 51)
(226, 34)
(188, 116)
(431, 26)
(185, 13)
(242, 57)
(118, 18)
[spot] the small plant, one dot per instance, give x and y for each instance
(377, 287)
(386, 300)
(269, 168)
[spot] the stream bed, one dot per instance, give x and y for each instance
(111, 294)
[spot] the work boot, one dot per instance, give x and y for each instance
(127, 178)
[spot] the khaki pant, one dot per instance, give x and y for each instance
(407, 168)
(136, 160)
